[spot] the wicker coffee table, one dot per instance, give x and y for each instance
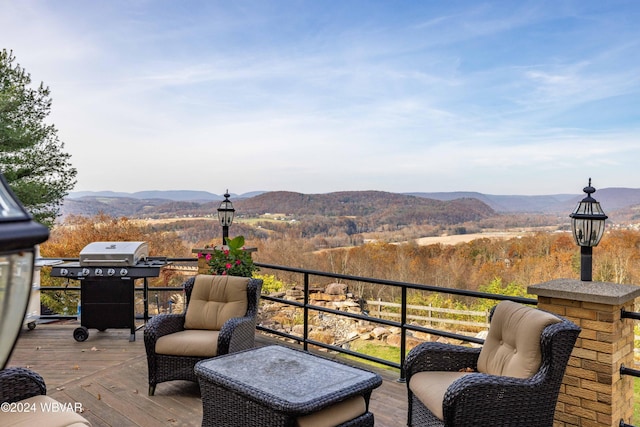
(274, 385)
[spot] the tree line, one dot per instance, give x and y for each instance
(502, 265)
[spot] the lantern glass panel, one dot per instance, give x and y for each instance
(226, 213)
(225, 218)
(9, 208)
(587, 223)
(16, 272)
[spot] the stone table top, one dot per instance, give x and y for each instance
(286, 377)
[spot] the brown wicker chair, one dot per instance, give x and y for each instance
(220, 318)
(514, 380)
(28, 390)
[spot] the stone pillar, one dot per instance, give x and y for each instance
(593, 393)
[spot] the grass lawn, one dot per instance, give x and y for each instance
(374, 349)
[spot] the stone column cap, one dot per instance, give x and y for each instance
(598, 292)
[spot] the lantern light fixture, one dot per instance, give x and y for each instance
(587, 226)
(226, 213)
(19, 236)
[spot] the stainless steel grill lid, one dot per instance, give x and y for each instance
(114, 253)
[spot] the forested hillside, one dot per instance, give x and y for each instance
(368, 233)
(380, 207)
(514, 262)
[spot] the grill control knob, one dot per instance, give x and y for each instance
(111, 271)
(85, 272)
(64, 271)
(98, 272)
(124, 272)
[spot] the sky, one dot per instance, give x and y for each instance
(499, 97)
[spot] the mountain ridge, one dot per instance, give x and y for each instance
(613, 198)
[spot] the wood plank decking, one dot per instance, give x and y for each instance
(107, 376)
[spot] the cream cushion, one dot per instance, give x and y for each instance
(190, 342)
(430, 387)
(214, 300)
(40, 417)
(335, 414)
(512, 346)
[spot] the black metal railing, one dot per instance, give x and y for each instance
(402, 324)
(624, 314)
(306, 307)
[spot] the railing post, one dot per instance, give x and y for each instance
(593, 393)
(305, 311)
(403, 333)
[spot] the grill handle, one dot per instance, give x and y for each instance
(103, 261)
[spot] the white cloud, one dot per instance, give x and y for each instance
(490, 98)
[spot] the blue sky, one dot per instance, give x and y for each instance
(500, 97)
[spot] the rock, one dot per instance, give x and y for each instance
(380, 332)
(363, 329)
(421, 335)
(294, 293)
(336, 289)
(394, 340)
(352, 334)
(322, 296)
(318, 297)
(268, 308)
(321, 336)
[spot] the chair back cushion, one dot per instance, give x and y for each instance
(214, 300)
(512, 346)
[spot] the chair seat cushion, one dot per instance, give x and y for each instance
(43, 414)
(191, 342)
(335, 414)
(430, 387)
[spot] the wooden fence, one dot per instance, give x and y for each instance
(431, 317)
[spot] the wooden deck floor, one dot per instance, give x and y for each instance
(107, 376)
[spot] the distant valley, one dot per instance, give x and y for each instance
(626, 200)
(350, 218)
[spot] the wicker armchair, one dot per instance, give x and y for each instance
(28, 389)
(514, 380)
(17, 384)
(220, 318)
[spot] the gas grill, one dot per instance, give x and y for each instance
(107, 272)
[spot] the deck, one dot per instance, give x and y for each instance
(107, 376)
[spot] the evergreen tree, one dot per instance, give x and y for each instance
(31, 155)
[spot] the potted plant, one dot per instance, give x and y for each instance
(232, 259)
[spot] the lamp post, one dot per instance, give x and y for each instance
(225, 216)
(19, 235)
(587, 224)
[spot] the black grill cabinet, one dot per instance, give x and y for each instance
(107, 272)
